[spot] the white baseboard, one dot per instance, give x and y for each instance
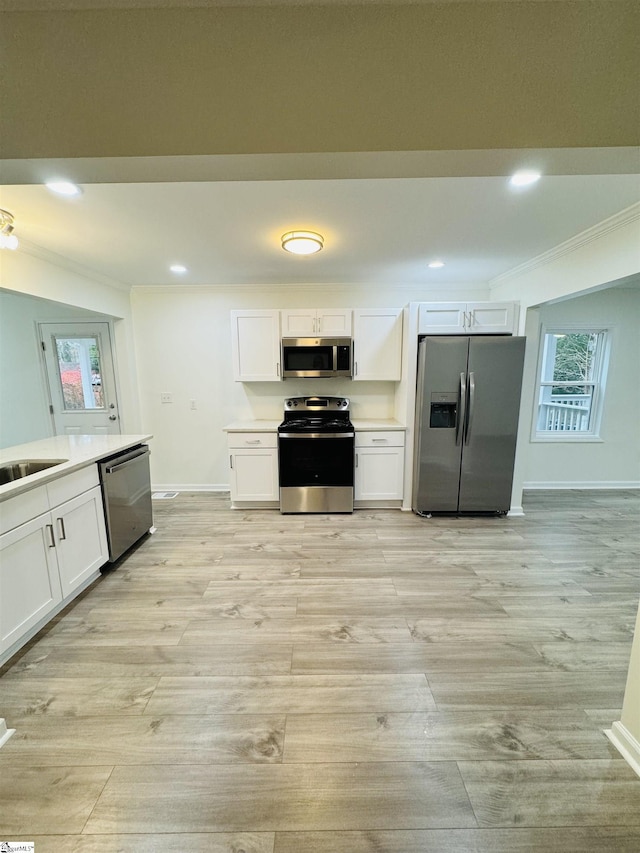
(626, 744)
(5, 733)
(585, 484)
(189, 487)
(516, 512)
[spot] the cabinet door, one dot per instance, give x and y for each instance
(377, 345)
(491, 318)
(255, 337)
(254, 474)
(334, 322)
(442, 318)
(379, 473)
(81, 540)
(299, 323)
(29, 582)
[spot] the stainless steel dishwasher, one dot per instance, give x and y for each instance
(126, 492)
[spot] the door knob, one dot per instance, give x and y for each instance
(113, 417)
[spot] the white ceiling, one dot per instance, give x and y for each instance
(377, 230)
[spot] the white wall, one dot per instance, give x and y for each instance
(615, 459)
(23, 394)
(71, 295)
(608, 252)
(625, 733)
(183, 338)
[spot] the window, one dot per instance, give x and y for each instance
(572, 375)
(79, 372)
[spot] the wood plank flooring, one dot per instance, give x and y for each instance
(246, 682)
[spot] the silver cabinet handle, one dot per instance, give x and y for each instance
(253, 441)
(277, 368)
(63, 533)
(355, 368)
(383, 440)
(52, 539)
(231, 462)
(356, 460)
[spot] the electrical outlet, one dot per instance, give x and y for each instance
(193, 404)
(166, 397)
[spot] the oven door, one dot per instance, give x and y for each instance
(316, 472)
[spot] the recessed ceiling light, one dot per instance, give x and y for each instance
(302, 242)
(436, 265)
(178, 268)
(63, 188)
(524, 178)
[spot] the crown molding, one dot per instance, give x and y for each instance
(428, 290)
(596, 232)
(35, 251)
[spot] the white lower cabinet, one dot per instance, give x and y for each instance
(29, 579)
(45, 560)
(379, 472)
(253, 461)
(81, 541)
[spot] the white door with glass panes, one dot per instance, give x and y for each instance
(82, 389)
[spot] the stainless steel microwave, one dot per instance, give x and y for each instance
(317, 357)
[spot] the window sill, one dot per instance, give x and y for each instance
(563, 439)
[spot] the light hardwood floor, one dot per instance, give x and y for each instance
(374, 683)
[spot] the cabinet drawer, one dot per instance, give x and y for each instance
(253, 439)
(374, 438)
(68, 487)
(22, 508)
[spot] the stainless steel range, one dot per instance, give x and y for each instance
(316, 443)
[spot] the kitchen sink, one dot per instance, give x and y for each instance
(16, 470)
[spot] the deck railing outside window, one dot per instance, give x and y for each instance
(561, 413)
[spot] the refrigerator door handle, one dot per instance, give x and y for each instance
(472, 400)
(462, 407)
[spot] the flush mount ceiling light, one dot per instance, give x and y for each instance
(524, 178)
(302, 242)
(8, 239)
(63, 188)
(178, 268)
(435, 265)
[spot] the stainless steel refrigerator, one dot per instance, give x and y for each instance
(467, 405)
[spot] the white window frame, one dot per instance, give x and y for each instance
(598, 383)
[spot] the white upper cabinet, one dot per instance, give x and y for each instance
(467, 318)
(305, 322)
(255, 337)
(377, 344)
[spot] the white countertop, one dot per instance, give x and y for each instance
(271, 426)
(377, 423)
(253, 426)
(78, 450)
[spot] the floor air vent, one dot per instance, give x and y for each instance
(164, 496)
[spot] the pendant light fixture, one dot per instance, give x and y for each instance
(302, 242)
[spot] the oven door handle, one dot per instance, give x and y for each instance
(316, 435)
